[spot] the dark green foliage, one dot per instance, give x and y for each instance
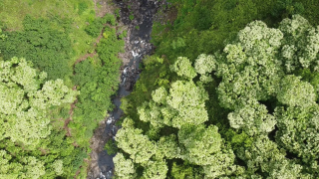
(182, 171)
(117, 12)
(84, 72)
(155, 74)
(123, 34)
(82, 6)
(48, 49)
(131, 17)
(312, 78)
(110, 18)
(97, 80)
(200, 20)
(95, 27)
(202, 17)
(46, 43)
(286, 8)
(110, 147)
(55, 147)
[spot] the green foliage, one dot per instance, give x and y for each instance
(200, 20)
(298, 130)
(183, 107)
(30, 148)
(242, 66)
(252, 118)
(123, 34)
(294, 92)
(266, 82)
(182, 171)
(124, 168)
(110, 18)
(48, 49)
(117, 12)
(155, 169)
(110, 147)
(183, 67)
(133, 142)
(200, 143)
(95, 27)
(82, 6)
(23, 99)
(51, 37)
(286, 8)
(131, 17)
(178, 43)
(97, 80)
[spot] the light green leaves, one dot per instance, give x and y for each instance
(133, 142)
(124, 168)
(270, 109)
(200, 143)
(295, 92)
(11, 99)
(299, 130)
(265, 155)
(189, 100)
(28, 167)
(24, 106)
(159, 95)
(222, 165)
(58, 167)
(155, 170)
(53, 93)
(184, 104)
(256, 37)
(301, 43)
(184, 68)
(167, 147)
(249, 67)
(204, 65)
(253, 119)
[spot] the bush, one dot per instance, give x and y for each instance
(110, 147)
(286, 8)
(95, 27)
(97, 80)
(82, 6)
(48, 49)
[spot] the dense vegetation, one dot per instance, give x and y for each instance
(97, 80)
(226, 96)
(52, 98)
(50, 50)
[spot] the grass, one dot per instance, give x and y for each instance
(131, 17)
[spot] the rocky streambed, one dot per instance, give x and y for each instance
(136, 16)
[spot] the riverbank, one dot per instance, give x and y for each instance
(136, 18)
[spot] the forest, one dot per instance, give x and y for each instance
(51, 97)
(230, 91)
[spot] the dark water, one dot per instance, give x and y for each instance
(143, 11)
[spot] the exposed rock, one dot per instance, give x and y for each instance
(137, 44)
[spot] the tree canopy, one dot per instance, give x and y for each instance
(265, 81)
(26, 102)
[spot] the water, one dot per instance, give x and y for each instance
(139, 46)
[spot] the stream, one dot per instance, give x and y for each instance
(137, 45)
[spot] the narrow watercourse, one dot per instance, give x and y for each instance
(137, 45)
